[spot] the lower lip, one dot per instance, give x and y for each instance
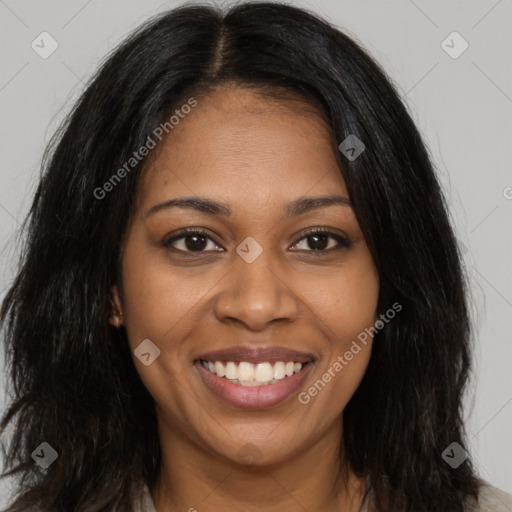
(253, 397)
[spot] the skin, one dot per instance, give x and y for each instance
(255, 155)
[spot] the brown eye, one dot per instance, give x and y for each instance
(319, 240)
(191, 240)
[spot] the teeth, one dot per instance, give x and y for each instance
(264, 372)
(279, 370)
(245, 372)
(219, 369)
(231, 370)
(248, 374)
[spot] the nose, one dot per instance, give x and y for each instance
(255, 294)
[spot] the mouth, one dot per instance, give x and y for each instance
(244, 373)
(253, 385)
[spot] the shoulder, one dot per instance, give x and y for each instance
(492, 499)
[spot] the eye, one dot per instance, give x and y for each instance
(320, 240)
(190, 240)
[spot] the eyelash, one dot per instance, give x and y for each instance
(344, 243)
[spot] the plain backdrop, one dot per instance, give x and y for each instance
(461, 102)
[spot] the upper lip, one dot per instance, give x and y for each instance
(256, 355)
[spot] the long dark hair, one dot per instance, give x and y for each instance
(74, 384)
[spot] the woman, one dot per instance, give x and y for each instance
(240, 289)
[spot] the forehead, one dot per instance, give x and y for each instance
(235, 143)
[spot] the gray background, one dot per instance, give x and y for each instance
(461, 105)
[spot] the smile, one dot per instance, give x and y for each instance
(252, 385)
(244, 373)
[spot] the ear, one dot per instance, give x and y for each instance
(116, 315)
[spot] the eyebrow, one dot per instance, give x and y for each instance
(210, 206)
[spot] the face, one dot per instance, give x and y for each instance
(254, 279)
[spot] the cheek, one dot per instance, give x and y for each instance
(158, 299)
(346, 309)
(345, 306)
(160, 304)
(345, 301)
(356, 307)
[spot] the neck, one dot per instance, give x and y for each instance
(311, 478)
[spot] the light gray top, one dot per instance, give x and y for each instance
(491, 499)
